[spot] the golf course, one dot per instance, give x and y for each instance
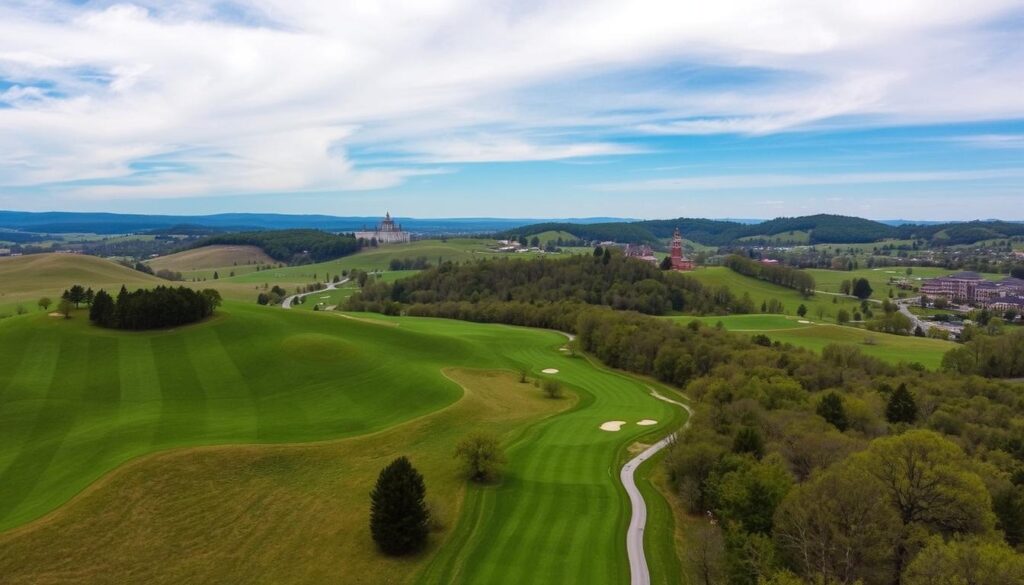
(263, 422)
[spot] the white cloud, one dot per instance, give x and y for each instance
(281, 91)
(772, 181)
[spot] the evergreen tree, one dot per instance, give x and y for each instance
(76, 294)
(831, 409)
(862, 288)
(398, 512)
(102, 310)
(748, 440)
(801, 310)
(666, 263)
(901, 408)
(607, 257)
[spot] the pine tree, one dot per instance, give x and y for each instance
(831, 409)
(398, 512)
(748, 440)
(102, 310)
(901, 407)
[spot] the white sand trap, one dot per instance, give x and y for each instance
(804, 321)
(326, 297)
(647, 422)
(56, 314)
(612, 425)
(563, 349)
(549, 371)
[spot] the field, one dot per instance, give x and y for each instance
(794, 237)
(94, 412)
(205, 259)
(829, 280)
(23, 279)
(815, 336)
(761, 291)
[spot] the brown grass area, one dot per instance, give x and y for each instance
(263, 514)
(211, 257)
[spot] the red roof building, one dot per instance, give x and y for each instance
(679, 262)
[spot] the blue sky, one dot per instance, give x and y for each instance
(883, 109)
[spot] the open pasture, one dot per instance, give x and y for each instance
(821, 307)
(830, 280)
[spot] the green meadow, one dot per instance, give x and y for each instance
(830, 280)
(815, 336)
(116, 423)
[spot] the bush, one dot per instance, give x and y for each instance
(482, 456)
(552, 389)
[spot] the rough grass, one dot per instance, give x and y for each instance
(23, 279)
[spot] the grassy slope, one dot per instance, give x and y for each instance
(761, 291)
(829, 280)
(815, 336)
(212, 257)
(23, 279)
(261, 374)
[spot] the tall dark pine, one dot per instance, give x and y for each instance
(862, 288)
(831, 409)
(102, 310)
(398, 512)
(901, 408)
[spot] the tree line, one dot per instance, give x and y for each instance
(609, 279)
(779, 274)
(153, 308)
(298, 246)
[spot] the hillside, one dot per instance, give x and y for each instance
(209, 257)
(23, 279)
(811, 229)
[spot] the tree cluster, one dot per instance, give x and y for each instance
(299, 246)
(154, 308)
(779, 274)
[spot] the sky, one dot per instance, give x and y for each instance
(886, 109)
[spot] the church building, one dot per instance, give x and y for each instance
(387, 232)
(679, 262)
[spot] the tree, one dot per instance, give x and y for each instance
(862, 288)
(801, 310)
(748, 440)
(552, 388)
(845, 287)
(832, 410)
(666, 263)
(837, 528)
(842, 317)
(102, 312)
(972, 561)
(215, 275)
(76, 294)
(901, 408)
(598, 251)
(44, 303)
(64, 308)
(918, 332)
(482, 456)
(398, 510)
(535, 242)
(606, 257)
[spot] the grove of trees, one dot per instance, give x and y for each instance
(154, 308)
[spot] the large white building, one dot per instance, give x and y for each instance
(971, 287)
(387, 232)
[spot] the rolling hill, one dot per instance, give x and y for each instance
(211, 257)
(23, 279)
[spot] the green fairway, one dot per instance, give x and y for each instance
(815, 336)
(79, 401)
(820, 307)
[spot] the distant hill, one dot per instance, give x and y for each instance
(24, 278)
(813, 229)
(211, 257)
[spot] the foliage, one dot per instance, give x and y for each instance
(779, 274)
(399, 520)
(153, 309)
(999, 356)
(901, 408)
(861, 288)
(482, 456)
(299, 246)
(973, 561)
(831, 409)
(552, 388)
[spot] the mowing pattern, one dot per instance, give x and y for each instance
(560, 515)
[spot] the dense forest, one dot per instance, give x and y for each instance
(154, 308)
(291, 246)
(798, 468)
(821, 228)
(608, 279)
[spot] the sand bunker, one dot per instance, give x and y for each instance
(563, 349)
(804, 321)
(612, 425)
(549, 371)
(647, 422)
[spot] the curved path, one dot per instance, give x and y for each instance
(639, 574)
(287, 302)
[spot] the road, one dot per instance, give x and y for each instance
(287, 302)
(904, 307)
(639, 574)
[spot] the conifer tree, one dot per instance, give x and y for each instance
(398, 513)
(901, 407)
(831, 409)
